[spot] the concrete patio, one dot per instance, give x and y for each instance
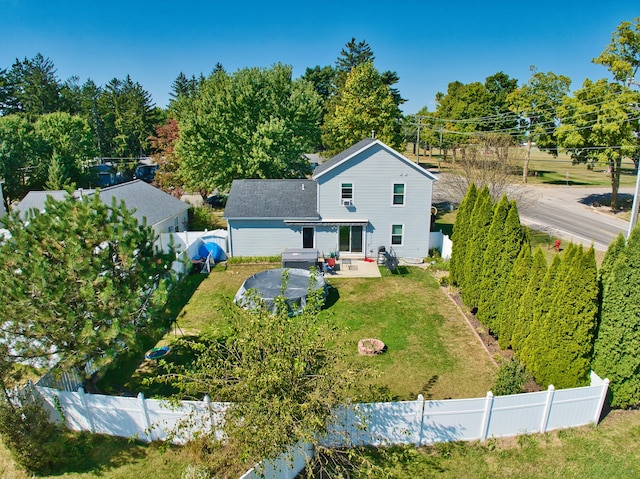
(354, 268)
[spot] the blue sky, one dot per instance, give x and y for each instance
(428, 43)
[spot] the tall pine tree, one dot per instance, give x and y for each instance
(78, 282)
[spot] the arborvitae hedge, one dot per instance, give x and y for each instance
(532, 355)
(479, 226)
(526, 304)
(617, 346)
(516, 286)
(571, 321)
(512, 238)
(489, 277)
(461, 233)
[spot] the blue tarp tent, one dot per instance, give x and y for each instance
(217, 253)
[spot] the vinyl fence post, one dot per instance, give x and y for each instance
(207, 404)
(148, 432)
(487, 416)
(87, 411)
(603, 396)
(421, 410)
(547, 409)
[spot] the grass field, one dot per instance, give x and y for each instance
(544, 169)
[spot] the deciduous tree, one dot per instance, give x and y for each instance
(599, 125)
(255, 123)
(363, 105)
(279, 373)
(622, 55)
(536, 102)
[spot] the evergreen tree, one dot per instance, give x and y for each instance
(490, 278)
(57, 178)
(617, 345)
(525, 304)
(533, 348)
(571, 322)
(68, 140)
(615, 249)
(474, 261)
(512, 244)
(354, 54)
(509, 307)
(78, 282)
(461, 234)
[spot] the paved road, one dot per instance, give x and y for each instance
(565, 212)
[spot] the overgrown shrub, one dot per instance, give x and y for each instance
(34, 442)
(510, 378)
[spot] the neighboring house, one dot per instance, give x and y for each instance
(162, 211)
(366, 197)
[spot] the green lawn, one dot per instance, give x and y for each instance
(609, 450)
(431, 351)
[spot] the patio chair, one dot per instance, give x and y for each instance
(329, 265)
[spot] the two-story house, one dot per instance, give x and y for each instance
(366, 197)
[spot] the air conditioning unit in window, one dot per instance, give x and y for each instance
(346, 202)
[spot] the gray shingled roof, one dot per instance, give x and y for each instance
(272, 199)
(342, 155)
(35, 199)
(148, 201)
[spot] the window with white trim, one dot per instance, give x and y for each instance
(397, 232)
(398, 194)
(346, 193)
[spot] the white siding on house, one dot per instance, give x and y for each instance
(168, 225)
(373, 174)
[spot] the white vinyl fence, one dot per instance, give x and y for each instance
(417, 422)
(427, 422)
(187, 243)
(440, 241)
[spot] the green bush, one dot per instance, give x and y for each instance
(253, 259)
(34, 442)
(510, 378)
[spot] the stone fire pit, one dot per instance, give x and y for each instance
(371, 347)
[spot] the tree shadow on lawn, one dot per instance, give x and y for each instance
(117, 377)
(141, 380)
(333, 295)
(625, 201)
